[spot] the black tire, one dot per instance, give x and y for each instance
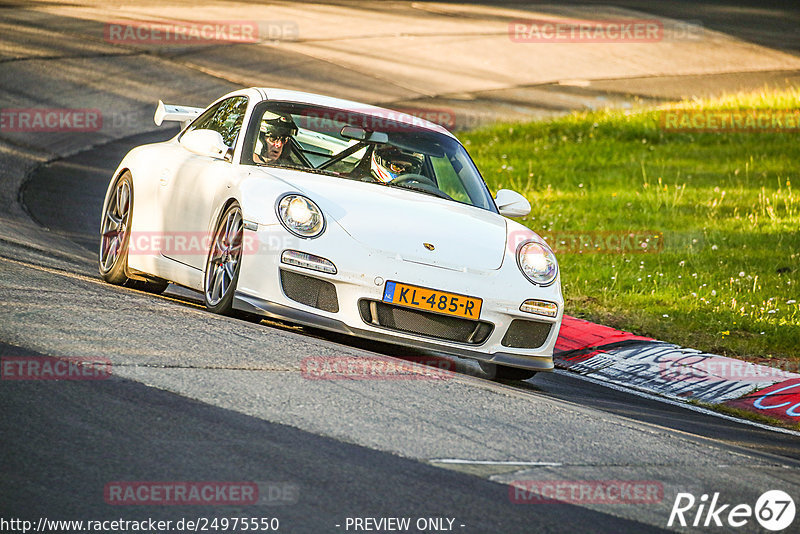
(503, 372)
(224, 262)
(115, 232)
(115, 238)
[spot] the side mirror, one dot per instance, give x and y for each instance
(205, 143)
(512, 204)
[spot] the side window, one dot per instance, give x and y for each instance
(225, 118)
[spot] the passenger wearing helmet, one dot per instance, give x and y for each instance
(273, 136)
(389, 162)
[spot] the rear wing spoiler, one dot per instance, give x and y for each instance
(182, 114)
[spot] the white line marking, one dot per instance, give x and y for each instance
(491, 462)
(688, 406)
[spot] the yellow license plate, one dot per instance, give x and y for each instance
(433, 300)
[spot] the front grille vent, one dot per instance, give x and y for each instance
(310, 291)
(526, 334)
(424, 323)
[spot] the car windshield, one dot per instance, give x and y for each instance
(366, 147)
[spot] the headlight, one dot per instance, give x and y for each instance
(537, 262)
(301, 216)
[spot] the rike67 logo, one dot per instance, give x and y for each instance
(774, 510)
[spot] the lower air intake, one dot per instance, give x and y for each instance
(310, 291)
(424, 323)
(526, 334)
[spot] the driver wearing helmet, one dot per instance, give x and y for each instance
(273, 136)
(389, 162)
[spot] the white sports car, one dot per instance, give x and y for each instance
(338, 215)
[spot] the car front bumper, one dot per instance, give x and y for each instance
(362, 274)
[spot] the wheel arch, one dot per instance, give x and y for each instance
(212, 224)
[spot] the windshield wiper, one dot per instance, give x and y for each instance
(441, 194)
(297, 168)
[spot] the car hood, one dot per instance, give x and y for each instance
(400, 223)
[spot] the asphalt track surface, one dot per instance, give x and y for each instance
(142, 433)
(197, 397)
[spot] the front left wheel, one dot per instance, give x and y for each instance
(224, 262)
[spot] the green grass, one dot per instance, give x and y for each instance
(726, 280)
